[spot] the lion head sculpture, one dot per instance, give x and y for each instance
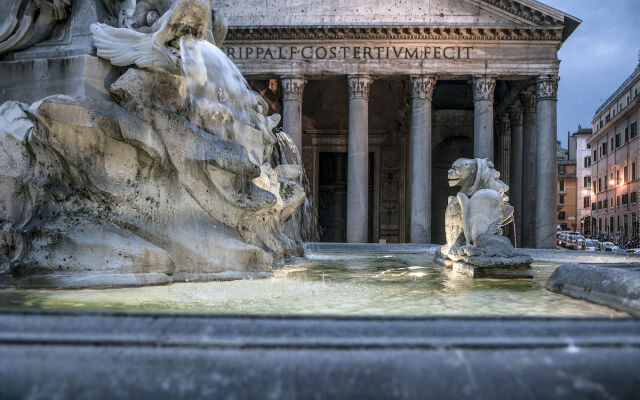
(476, 174)
(481, 207)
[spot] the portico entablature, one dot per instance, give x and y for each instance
(454, 39)
(449, 59)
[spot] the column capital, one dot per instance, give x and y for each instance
(528, 101)
(292, 87)
(505, 125)
(515, 113)
(422, 86)
(359, 86)
(547, 87)
(484, 88)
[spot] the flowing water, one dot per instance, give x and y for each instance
(304, 224)
(343, 284)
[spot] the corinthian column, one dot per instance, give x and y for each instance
(546, 161)
(422, 94)
(483, 92)
(358, 164)
(515, 188)
(505, 148)
(530, 133)
(292, 88)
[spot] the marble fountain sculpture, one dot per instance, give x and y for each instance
(181, 176)
(474, 219)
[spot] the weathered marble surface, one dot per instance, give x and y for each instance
(613, 285)
(474, 221)
(172, 179)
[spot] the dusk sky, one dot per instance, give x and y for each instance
(596, 59)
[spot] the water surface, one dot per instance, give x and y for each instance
(344, 284)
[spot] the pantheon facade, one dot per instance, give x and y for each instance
(381, 97)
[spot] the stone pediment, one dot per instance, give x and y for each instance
(407, 19)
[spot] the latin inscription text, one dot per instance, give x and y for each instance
(347, 52)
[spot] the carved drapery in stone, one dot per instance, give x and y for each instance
(484, 88)
(422, 86)
(359, 86)
(293, 87)
(36, 22)
(547, 87)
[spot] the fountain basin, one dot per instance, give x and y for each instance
(337, 279)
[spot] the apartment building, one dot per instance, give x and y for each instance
(614, 149)
(567, 186)
(583, 177)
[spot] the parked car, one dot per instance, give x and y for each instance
(632, 251)
(573, 241)
(603, 245)
(610, 246)
(589, 244)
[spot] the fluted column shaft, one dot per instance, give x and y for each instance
(483, 95)
(422, 95)
(515, 187)
(358, 159)
(505, 148)
(530, 133)
(546, 161)
(292, 89)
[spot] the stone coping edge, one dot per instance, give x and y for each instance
(128, 355)
(613, 285)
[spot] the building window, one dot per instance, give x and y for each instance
(587, 181)
(618, 201)
(561, 169)
(561, 199)
(561, 216)
(626, 173)
(612, 144)
(626, 135)
(605, 204)
(604, 148)
(634, 129)
(633, 171)
(587, 202)
(600, 205)
(625, 199)
(625, 218)
(634, 197)
(587, 162)
(599, 184)
(617, 140)
(562, 186)
(595, 155)
(611, 223)
(593, 206)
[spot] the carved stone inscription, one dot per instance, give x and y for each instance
(348, 52)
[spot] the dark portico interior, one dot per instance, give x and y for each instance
(325, 128)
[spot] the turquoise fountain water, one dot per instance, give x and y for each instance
(341, 284)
